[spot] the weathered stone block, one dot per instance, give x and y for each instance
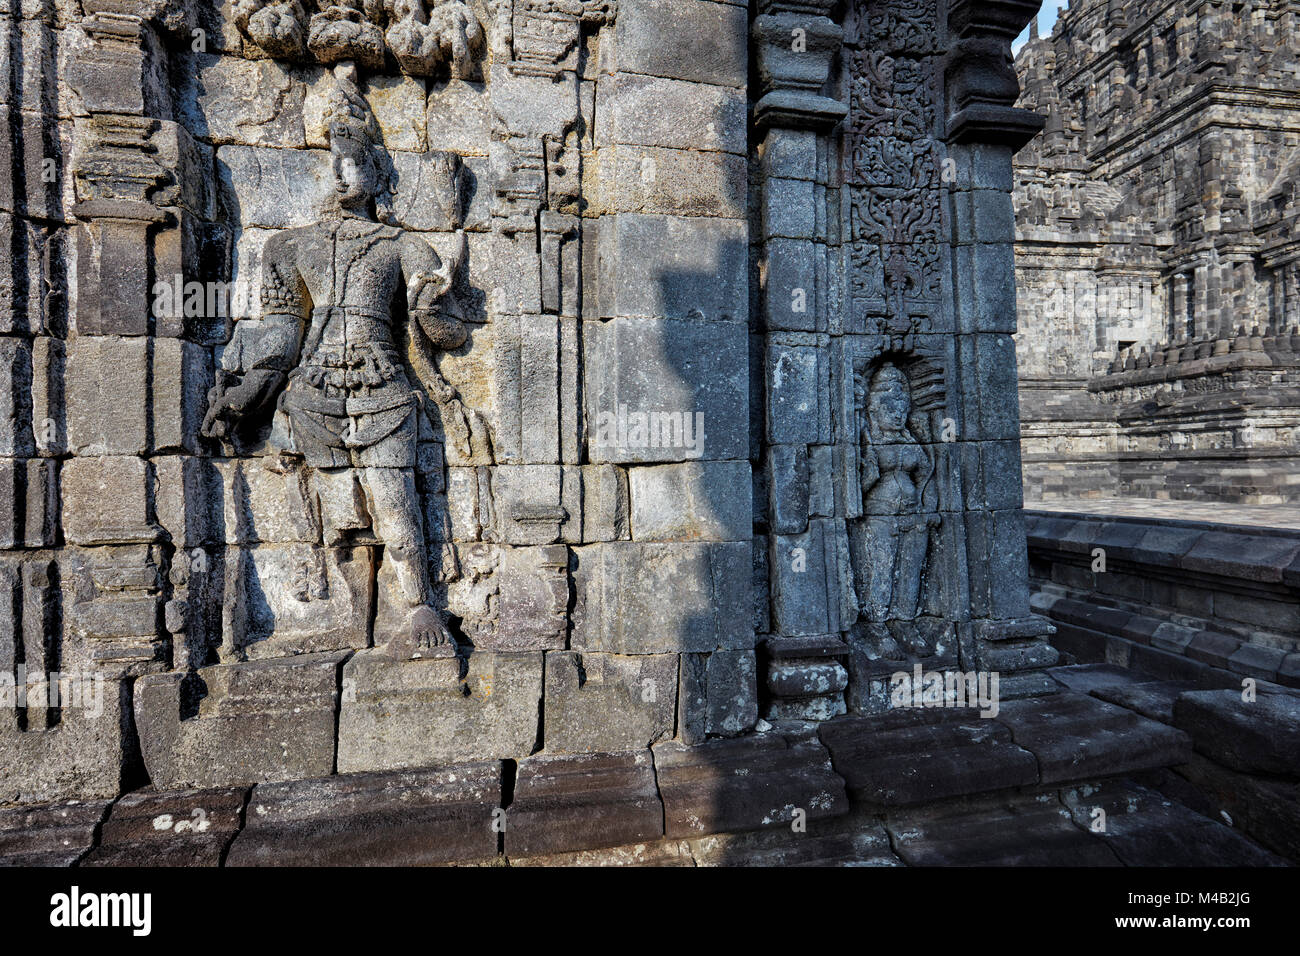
(667, 390)
(605, 507)
(108, 395)
(113, 292)
(999, 564)
(398, 715)
(214, 101)
(460, 117)
(189, 828)
(1081, 738)
(787, 467)
(798, 394)
(182, 374)
(990, 397)
(1259, 736)
(297, 598)
(915, 755)
(259, 721)
(402, 818)
(106, 500)
(789, 209)
(596, 703)
(17, 437)
(534, 599)
(732, 693)
(807, 580)
(693, 501)
(57, 834)
(745, 784)
(653, 266)
(584, 802)
(83, 756)
(701, 42)
(649, 111)
(642, 598)
(273, 188)
(427, 194)
(790, 284)
(527, 500)
(674, 182)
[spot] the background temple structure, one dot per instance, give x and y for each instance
(544, 431)
(1156, 252)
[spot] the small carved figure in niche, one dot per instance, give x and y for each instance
(327, 346)
(892, 538)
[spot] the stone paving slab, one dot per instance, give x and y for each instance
(1154, 699)
(1257, 736)
(911, 756)
(1087, 678)
(1143, 828)
(1208, 512)
(1078, 738)
(1028, 830)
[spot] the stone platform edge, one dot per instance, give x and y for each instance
(798, 779)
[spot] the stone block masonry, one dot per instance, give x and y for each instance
(412, 408)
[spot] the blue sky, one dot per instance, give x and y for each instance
(1046, 20)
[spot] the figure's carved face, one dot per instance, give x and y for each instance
(354, 174)
(890, 402)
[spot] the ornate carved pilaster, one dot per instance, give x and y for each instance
(795, 43)
(981, 78)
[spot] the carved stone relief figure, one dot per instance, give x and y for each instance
(891, 542)
(425, 37)
(328, 353)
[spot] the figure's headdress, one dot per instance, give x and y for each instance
(351, 119)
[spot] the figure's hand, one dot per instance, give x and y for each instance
(220, 407)
(227, 403)
(446, 333)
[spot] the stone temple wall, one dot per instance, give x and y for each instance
(398, 384)
(1155, 241)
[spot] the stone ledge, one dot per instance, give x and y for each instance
(746, 784)
(52, 834)
(373, 819)
(189, 828)
(567, 803)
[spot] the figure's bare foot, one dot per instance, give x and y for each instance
(428, 637)
(429, 631)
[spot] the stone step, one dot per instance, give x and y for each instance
(1115, 823)
(1077, 738)
(1260, 736)
(914, 755)
(1144, 828)
(911, 756)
